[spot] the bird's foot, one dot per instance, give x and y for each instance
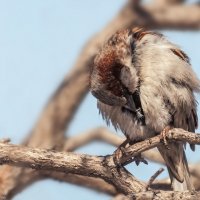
(118, 153)
(164, 134)
(139, 159)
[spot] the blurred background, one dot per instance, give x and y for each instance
(39, 43)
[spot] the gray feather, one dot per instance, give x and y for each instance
(167, 84)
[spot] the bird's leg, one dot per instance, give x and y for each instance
(119, 152)
(137, 159)
(164, 134)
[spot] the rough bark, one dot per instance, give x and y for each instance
(94, 166)
(174, 134)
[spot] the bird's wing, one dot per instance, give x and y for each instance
(192, 118)
(130, 81)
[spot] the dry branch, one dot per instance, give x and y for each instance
(173, 16)
(174, 134)
(92, 166)
(153, 178)
(86, 165)
(157, 195)
(96, 184)
(96, 134)
(105, 135)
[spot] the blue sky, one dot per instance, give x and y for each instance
(39, 42)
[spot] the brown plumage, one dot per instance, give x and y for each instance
(143, 84)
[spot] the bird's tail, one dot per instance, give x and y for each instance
(177, 166)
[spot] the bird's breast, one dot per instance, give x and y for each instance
(126, 121)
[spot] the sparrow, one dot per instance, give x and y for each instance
(145, 86)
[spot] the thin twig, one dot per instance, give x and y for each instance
(153, 178)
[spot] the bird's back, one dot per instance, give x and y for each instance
(167, 84)
(166, 87)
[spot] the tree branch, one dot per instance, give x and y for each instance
(171, 16)
(96, 184)
(174, 134)
(92, 166)
(105, 135)
(166, 195)
(153, 178)
(96, 134)
(156, 195)
(86, 165)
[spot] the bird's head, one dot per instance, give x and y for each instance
(113, 74)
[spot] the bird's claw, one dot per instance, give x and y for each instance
(138, 159)
(117, 155)
(164, 134)
(120, 151)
